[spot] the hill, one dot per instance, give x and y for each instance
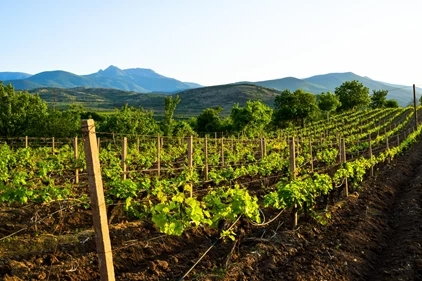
(328, 82)
(133, 79)
(13, 75)
(193, 101)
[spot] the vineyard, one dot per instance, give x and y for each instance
(211, 208)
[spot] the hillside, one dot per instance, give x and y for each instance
(13, 75)
(134, 79)
(193, 101)
(328, 82)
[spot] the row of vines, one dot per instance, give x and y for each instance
(180, 183)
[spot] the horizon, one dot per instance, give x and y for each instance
(215, 43)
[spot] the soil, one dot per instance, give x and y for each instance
(374, 234)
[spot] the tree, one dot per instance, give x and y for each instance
(131, 120)
(251, 119)
(61, 124)
(209, 121)
(297, 107)
(20, 112)
(183, 128)
(352, 95)
(378, 98)
(169, 108)
(328, 102)
(391, 104)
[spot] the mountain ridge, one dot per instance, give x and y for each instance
(141, 80)
(144, 80)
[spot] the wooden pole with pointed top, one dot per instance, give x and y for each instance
(98, 206)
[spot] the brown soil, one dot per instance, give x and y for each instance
(374, 234)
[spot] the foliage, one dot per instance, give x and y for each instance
(20, 112)
(378, 99)
(391, 104)
(169, 108)
(251, 119)
(297, 106)
(131, 120)
(352, 95)
(209, 121)
(66, 123)
(183, 128)
(328, 102)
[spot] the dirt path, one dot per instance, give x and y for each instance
(400, 258)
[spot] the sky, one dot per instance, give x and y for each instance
(213, 42)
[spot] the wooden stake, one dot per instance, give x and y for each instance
(346, 186)
(414, 105)
(76, 156)
(190, 160)
(124, 155)
(190, 152)
(293, 174)
(98, 144)
(52, 146)
(370, 155)
(222, 152)
(387, 147)
(312, 157)
(96, 192)
(26, 141)
(206, 157)
(137, 144)
(158, 155)
(262, 147)
(292, 157)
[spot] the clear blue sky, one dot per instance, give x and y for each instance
(216, 41)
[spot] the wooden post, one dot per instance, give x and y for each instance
(346, 186)
(222, 152)
(387, 147)
(158, 155)
(98, 144)
(52, 146)
(124, 155)
(26, 141)
(370, 155)
(414, 105)
(96, 193)
(190, 152)
(311, 154)
(76, 156)
(292, 175)
(264, 143)
(190, 160)
(262, 147)
(137, 144)
(206, 157)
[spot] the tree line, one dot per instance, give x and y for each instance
(24, 114)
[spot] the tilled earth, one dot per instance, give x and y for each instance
(374, 234)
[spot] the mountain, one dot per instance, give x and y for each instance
(147, 78)
(328, 82)
(133, 79)
(292, 84)
(13, 75)
(192, 103)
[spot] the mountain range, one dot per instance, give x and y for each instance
(141, 80)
